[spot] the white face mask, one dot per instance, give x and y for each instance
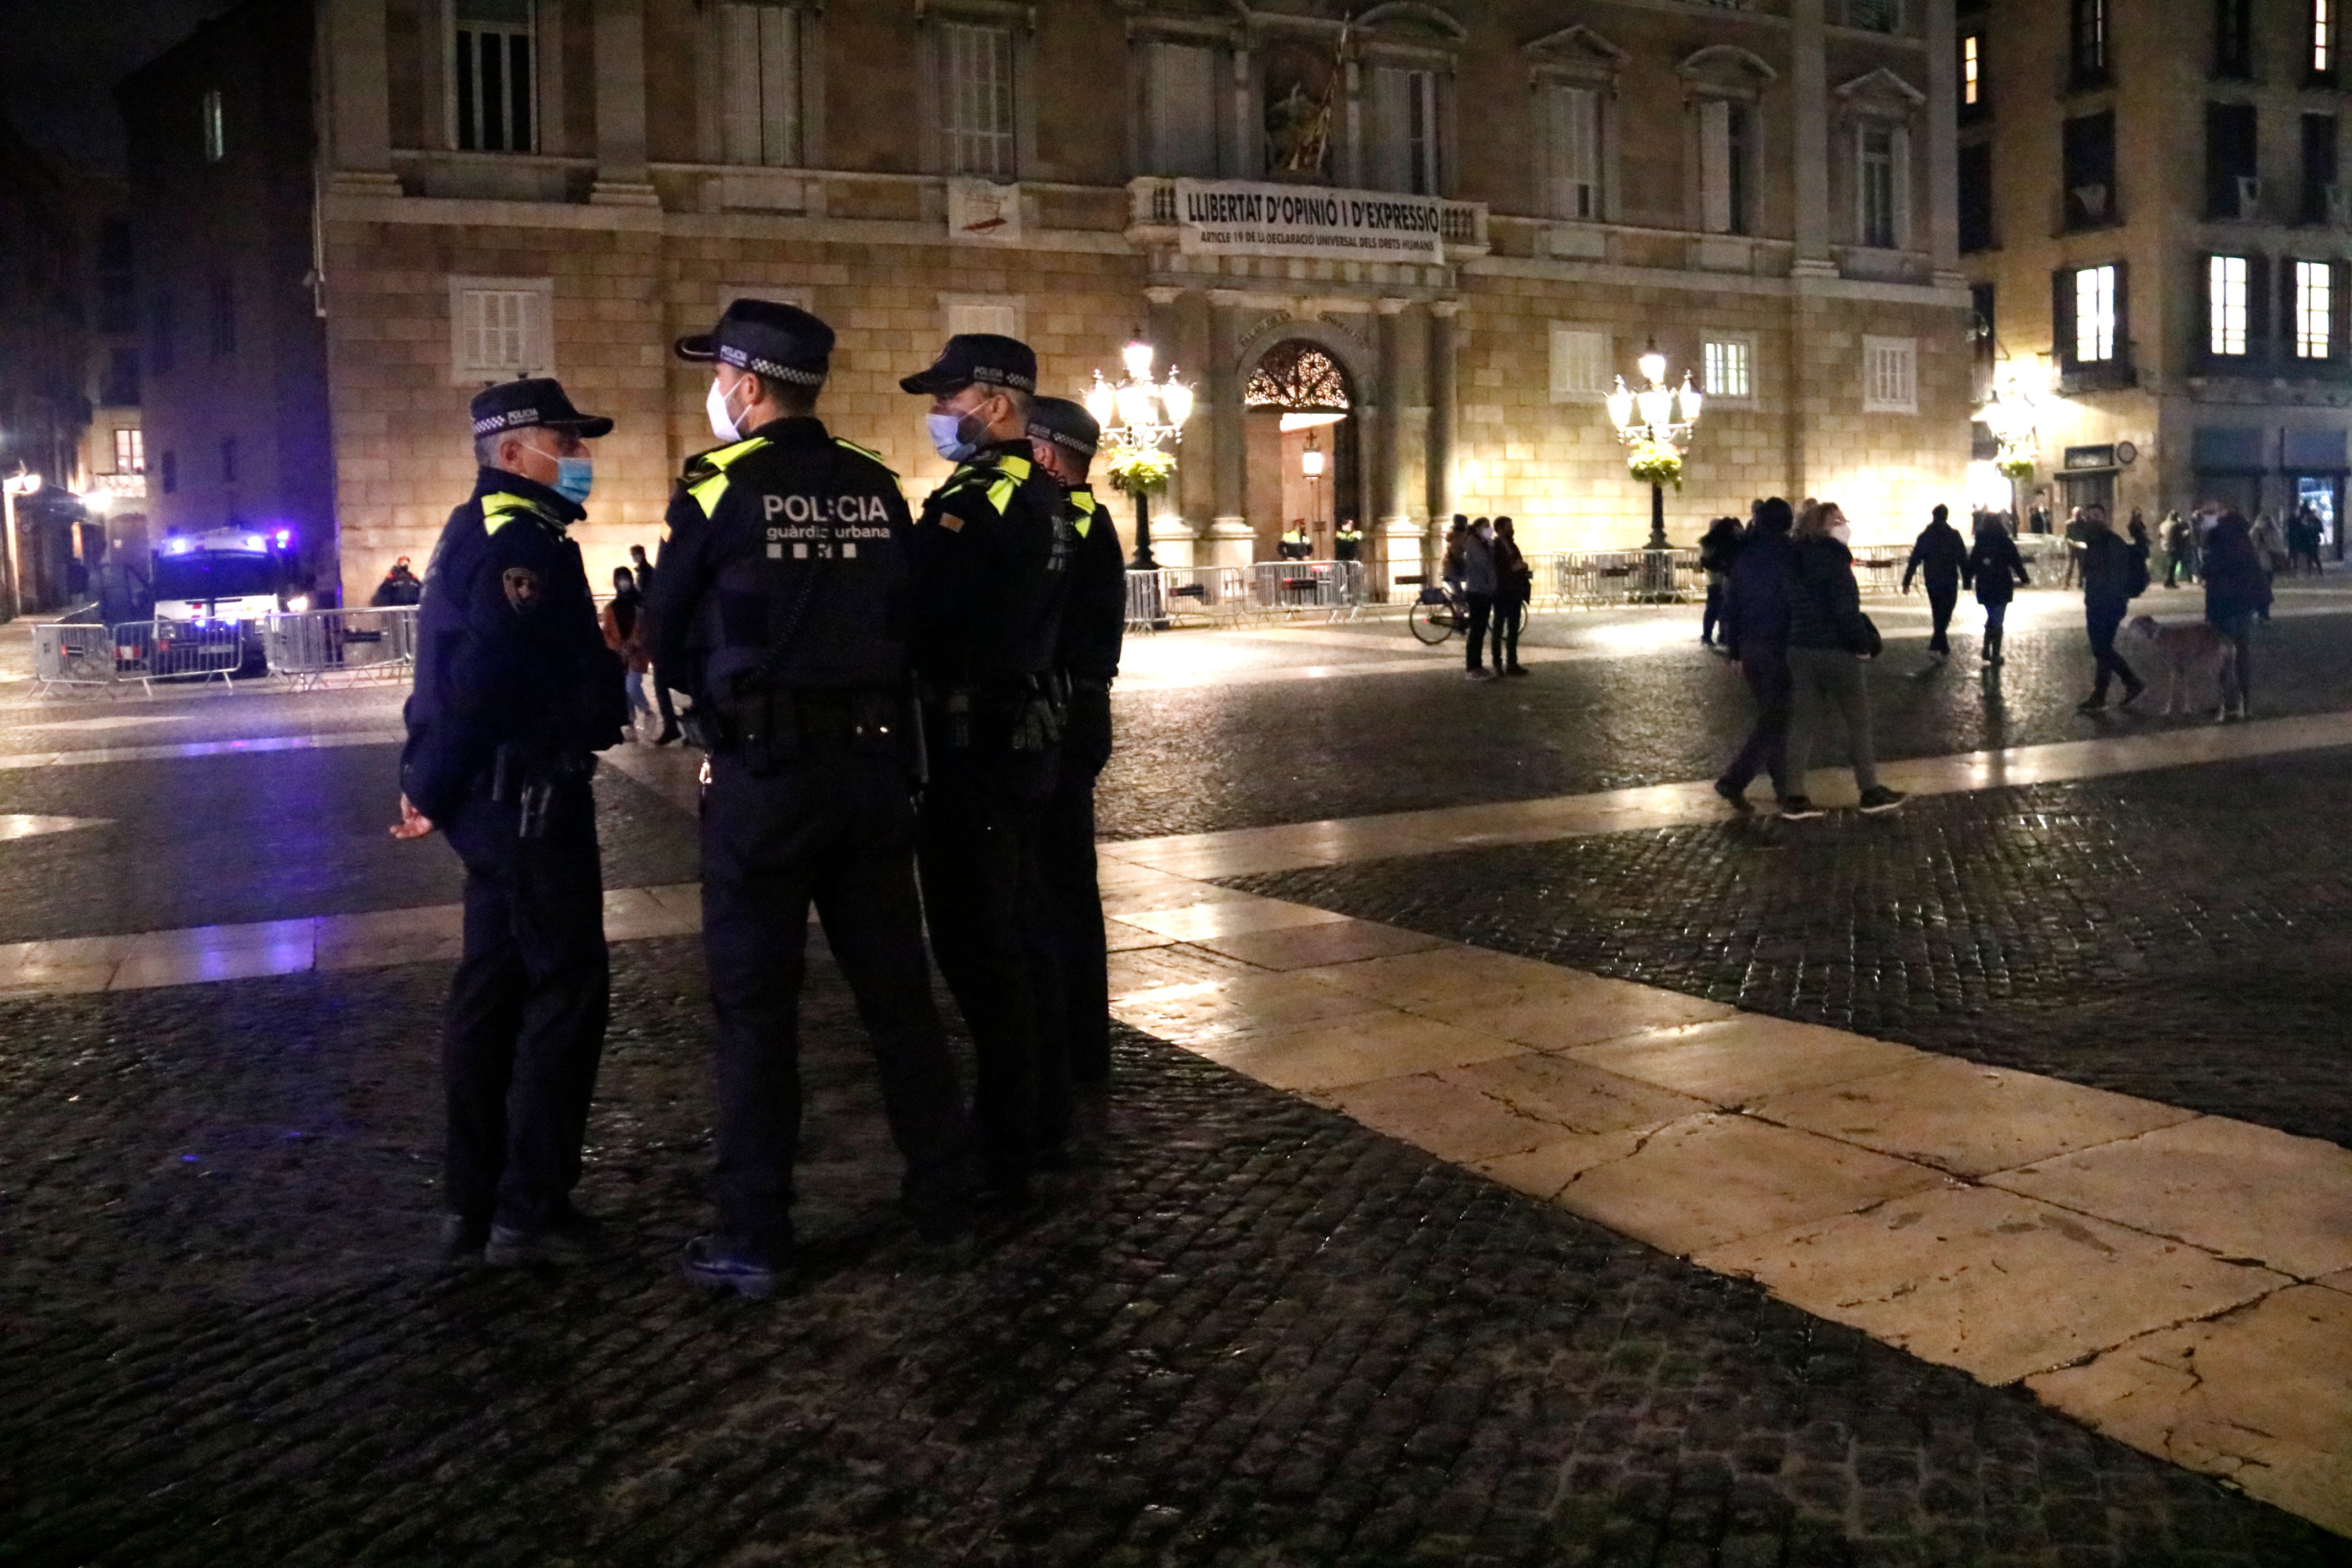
(722, 422)
(947, 437)
(1840, 532)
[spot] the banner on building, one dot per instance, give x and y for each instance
(1241, 217)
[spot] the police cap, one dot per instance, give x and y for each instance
(781, 343)
(978, 358)
(1065, 424)
(534, 400)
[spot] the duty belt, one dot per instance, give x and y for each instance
(1020, 712)
(775, 724)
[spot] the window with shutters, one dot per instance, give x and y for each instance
(501, 328)
(2233, 38)
(171, 474)
(224, 317)
(1890, 375)
(493, 76)
(759, 93)
(130, 449)
(1580, 361)
(215, 128)
(2226, 304)
(1878, 184)
(1572, 128)
(2094, 315)
(164, 334)
(1976, 197)
(2315, 311)
(1723, 156)
(2231, 188)
(997, 313)
(1727, 367)
(1180, 106)
(1404, 153)
(2322, 200)
(976, 62)
(2088, 150)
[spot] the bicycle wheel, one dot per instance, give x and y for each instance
(1433, 624)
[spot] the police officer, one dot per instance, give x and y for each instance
(1062, 437)
(515, 689)
(1348, 544)
(782, 603)
(991, 559)
(1296, 545)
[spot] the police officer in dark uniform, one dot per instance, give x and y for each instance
(1348, 544)
(783, 602)
(515, 691)
(991, 562)
(1062, 437)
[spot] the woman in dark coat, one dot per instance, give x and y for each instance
(1829, 642)
(1716, 549)
(2237, 589)
(1995, 570)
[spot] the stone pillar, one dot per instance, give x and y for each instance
(1943, 145)
(622, 177)
(1228, 535)
(1444, 347)
(1170, 519)
(359, 104)
(1809, 108)
(1384, 455)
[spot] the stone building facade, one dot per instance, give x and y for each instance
(2154, 223)
(566, 185)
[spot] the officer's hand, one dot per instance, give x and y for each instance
(412, 822)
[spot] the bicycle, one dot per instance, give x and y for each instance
(1437, 614)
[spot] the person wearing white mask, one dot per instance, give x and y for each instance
(1830, 642)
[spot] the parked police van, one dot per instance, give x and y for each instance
(221, 585)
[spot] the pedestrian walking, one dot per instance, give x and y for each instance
(515, 693)
(1938, 553)
(1716, 547)
(1755, 640)
(644, 571)
(2270, 539)
(1514, 587)
(1830, 641)
(1479, 581)
(1062, 437)
(992, 558)
(1995, 570)
(622, 623)
(2180, 550)
(2113, 576)
(2237, 591)
(783, 603)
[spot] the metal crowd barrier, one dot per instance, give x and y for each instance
(72, 654)
(315, 647)
(1602, 577)
(1337, 588)
(1186, 597)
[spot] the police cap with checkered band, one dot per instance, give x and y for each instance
(534, 400)
(781, 343)
(982, 359)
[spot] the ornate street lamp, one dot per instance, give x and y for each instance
(1142, 421)
(1655, 424)
(1310, 463)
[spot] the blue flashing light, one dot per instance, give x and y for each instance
(181, 546)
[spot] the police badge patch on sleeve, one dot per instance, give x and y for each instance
(521, 584)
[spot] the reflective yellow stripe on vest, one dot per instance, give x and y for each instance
(863, 452)
(1084, 500)
(501, 507)
(706, 491)
(1009, 474)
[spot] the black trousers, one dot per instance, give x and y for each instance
(1943, 595)
(661, 700)
(524, 1030)
(1510, 615)
(976, 846)
(1713, 615)
(2102, 617)
(1076, 978)
(833, 828)
(1482, 609)
(1766, 750)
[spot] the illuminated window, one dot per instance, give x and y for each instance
(215, 134)
(2225, 304)
(2323, 36)
(2314, 310)
(1971, 70)
(1726, 366)
(2094, 315)
(130, 451)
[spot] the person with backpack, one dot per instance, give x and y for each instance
(2114, 575)
(1996, 569)
(1829, 639)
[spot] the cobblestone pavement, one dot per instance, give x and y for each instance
(1209, 758)
(2183, 935)
(1249, 1333)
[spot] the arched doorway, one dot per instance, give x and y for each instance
(1298, 415)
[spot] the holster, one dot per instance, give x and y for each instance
(527, 777)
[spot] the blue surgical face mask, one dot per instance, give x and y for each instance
(947, 437)
(574, 477)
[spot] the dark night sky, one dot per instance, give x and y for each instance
(60, 60)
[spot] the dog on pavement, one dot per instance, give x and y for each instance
(2187, 649)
